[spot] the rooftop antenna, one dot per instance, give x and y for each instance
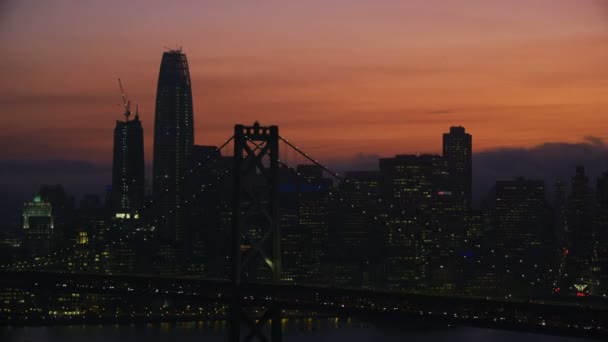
(127, 104)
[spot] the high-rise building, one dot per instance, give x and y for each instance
(478, 255)
(295, 242)
(559, 210)
(602, 230)
(412, 182)
(173, 141)
(303, 198)
(581, 240)
(38, 227)
(356, 239)
(63, 214)
(128, 167)
(312, 217)
(457, 151)
(426, 225)
(523, 237)
(209, 193)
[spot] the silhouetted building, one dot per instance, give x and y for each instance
(522, 235)
(580, 238)
(173, 141)
(412, 182)
(128, 168)
(312, 217)
(425, 224)
(560, 228)
(304, 223)
(208, 196)
(294, 241)
(478, 256)
(357, 240)
(38, 227)
(602, 230)
(558, 204)
(458, 152)
(63, 214)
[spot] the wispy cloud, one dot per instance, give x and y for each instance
(439, 112)
(53, 99)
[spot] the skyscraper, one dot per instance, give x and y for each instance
(522, 237)
(356, 239)
(457, 151)
(304, 195)
(581, 238)
(602, 232)
(63, 214)
(426, 226)
(38, 226)
(128, 167)
(173, 141)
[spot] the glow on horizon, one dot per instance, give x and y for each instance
(385, 77)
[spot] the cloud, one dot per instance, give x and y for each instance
(594, 140)
(55, 99)
(439, 112)
(549, 161)
(359, 162)
(23, 177)
(7, 9)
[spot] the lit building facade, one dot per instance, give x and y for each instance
(38, 227)
(425, 224)
(523, 236)
(304, 224)
(478, 256)
(312, 217)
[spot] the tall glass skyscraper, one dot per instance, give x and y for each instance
(173, 141)
(128, 168)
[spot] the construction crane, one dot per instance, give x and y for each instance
(125, 102)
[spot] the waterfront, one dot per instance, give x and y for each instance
(295, 330)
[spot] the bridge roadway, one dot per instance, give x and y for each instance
(580, 317)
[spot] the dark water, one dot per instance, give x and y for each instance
(317, 330)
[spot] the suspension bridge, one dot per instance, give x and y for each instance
(255, 202)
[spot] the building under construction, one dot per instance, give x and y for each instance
(127, 194)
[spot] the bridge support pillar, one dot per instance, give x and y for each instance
(275, 326)
(255, 326)
(234, 318)
(256, 239)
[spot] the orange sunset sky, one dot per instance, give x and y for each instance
(339, 77)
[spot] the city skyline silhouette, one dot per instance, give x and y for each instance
(521, 80)
(404, 168)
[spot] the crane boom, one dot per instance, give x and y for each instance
(126, 103)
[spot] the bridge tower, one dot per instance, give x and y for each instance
(256, 239)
